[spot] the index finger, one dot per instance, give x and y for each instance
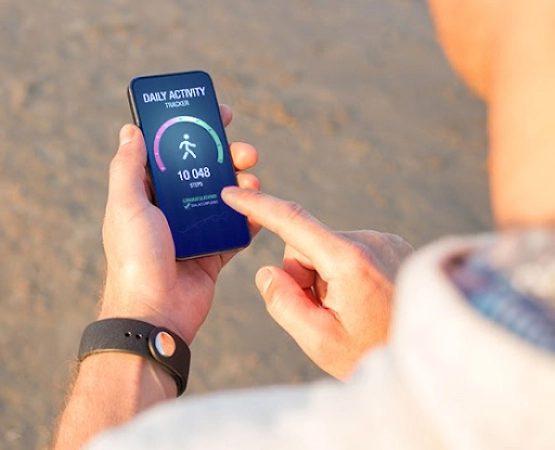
(290, 222)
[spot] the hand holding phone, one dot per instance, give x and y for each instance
(144, 280)
(189, 161)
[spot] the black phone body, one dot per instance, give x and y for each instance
(189, 161)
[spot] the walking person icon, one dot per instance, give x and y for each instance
(187, 144)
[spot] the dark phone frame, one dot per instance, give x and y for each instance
(137, 122)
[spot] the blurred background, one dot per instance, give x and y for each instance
(353, 109)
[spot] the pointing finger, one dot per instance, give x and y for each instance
(290, 222)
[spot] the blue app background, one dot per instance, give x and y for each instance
(190, 162)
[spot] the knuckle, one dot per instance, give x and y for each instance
(255, 193)
(388, 245)
(125, 162)
(394, 238)
(357, 253)
(362, 263)
(369, 234)
(398, 246)
(116, 164)
(293, 211)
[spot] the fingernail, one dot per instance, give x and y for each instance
(126, 134)
(263, 280)
(229, 190)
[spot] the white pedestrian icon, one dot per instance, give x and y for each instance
(187, 146)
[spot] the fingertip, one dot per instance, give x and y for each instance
(226, 113)
(248, 181)
(244, 155)
(131, 146)
(228, 194)
(238, 198)
(263, 279)
(127, 134)
(230, 191)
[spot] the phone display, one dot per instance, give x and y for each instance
(189, 161)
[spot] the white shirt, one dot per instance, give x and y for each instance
(448, 378)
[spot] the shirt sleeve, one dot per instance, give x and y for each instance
(372, 407)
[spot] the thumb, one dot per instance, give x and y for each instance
(127, 170)
(295, 310)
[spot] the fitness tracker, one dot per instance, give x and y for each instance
(141, 338)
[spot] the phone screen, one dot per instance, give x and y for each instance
(189, 160)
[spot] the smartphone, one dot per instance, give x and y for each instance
(189, 161)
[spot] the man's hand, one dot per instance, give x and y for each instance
(144, 281)
(333, 293)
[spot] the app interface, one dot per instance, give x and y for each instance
(190, 161)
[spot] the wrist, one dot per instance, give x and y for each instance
(139, 383)
(156, 344)
(117, 304)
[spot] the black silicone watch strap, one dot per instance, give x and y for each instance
(141, 338)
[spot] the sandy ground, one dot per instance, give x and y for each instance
(354, 111)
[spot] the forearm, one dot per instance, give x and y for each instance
(110, 389)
